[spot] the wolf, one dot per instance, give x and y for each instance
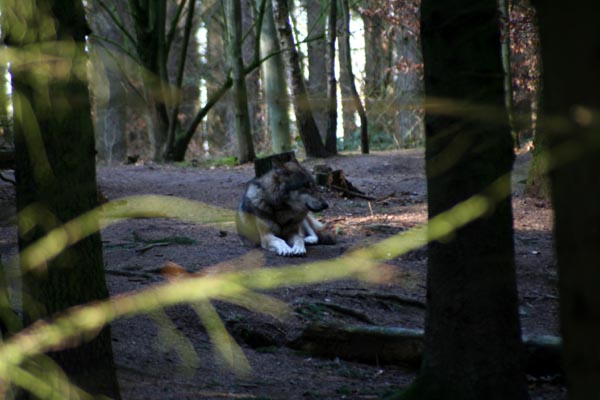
(275, 211)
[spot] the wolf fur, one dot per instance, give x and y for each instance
(275, 211)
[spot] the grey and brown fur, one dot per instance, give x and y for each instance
(275, 211)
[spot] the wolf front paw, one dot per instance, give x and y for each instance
(311, 239)
(299, 250)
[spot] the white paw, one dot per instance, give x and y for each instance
(312, 239)
(279, 246)
(298, 249)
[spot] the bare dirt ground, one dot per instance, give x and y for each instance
(151, 366)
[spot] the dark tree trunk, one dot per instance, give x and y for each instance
(55, 173)
(177, 98)
(151, 47)
(239, 93)
(307, 127)
(331, 132)
(473, 346)
(570, 123)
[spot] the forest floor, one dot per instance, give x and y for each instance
(154, 366)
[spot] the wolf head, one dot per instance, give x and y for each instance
(297, 187)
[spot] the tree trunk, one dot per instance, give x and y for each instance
(408, 87)
(149, 21)
(273, 72)
(219, 125)
(251, 28)
(6, 136)
(56, 176)
(109, 94)
(506, 62)
(331, 131)
(240, 96)
(317, 63)
(473, 346)
(376, 51)
(348, 109)
(364, 132)
(569, 123)
(177, 97)
(307, 127)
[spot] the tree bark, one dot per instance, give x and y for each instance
(307, 127)
(408, 88)
(376, 52)
(239, 93)
(473, 346)
(364, 130)
(331, 131)
(348, 109)
(149, 20)
(177, 96)
(317, 63)
(506, 62)
(569, 122)
(273, 72)
(56, 176)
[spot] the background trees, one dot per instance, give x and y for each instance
(176, 88)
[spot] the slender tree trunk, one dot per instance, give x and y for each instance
(240, 96)
(348, 109)
(273, 72)
(505, 47)
(177, 97)
(56, 176)
(331, 132)
(569, 122)
(6, 136)
(307, 127)
(473, 346)
(376, 50)
(364, 130)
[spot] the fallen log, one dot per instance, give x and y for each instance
(403, 346)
